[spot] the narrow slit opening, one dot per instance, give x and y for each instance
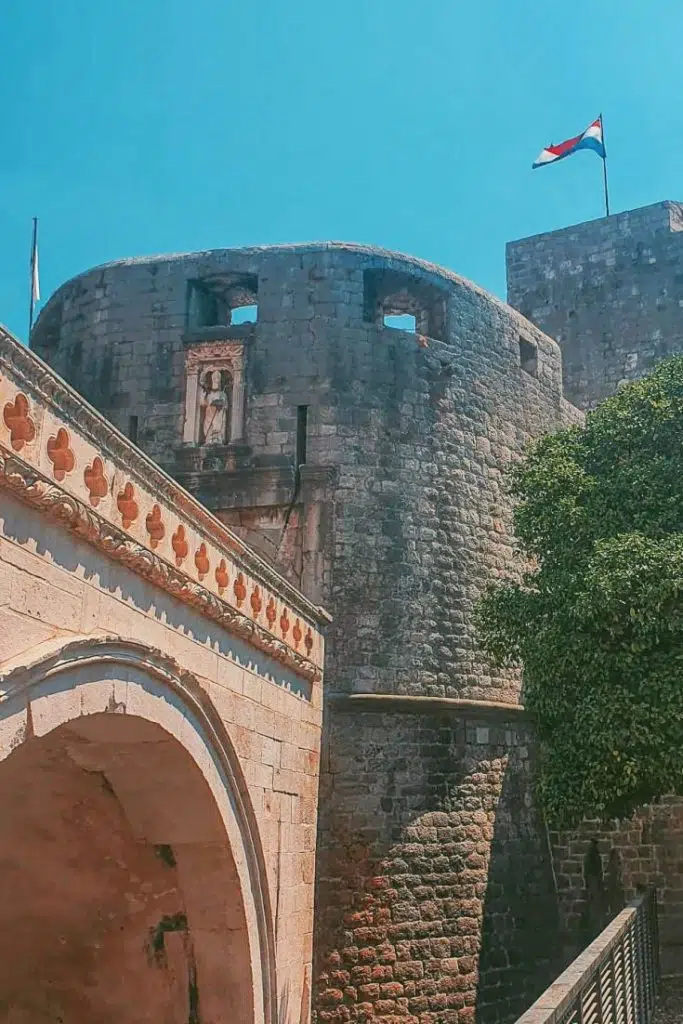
(301, 430)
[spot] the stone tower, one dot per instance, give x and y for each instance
(281, 386)
(609, 291)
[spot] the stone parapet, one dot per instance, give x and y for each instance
(60, 456)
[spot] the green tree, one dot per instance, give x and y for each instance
(596, 619)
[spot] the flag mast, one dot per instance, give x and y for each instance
(604, 165)
(35, 286)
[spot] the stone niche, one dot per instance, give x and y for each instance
(214, 394)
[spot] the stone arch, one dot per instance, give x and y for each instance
(129, 714)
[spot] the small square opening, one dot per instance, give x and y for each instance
(401, 322)
(528, 357)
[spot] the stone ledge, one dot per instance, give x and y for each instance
(380, 702)
(222, 332)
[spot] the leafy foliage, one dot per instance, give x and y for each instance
(597, 618)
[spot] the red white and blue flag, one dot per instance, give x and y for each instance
(592, 138)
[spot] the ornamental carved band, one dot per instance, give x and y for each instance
(35, 490)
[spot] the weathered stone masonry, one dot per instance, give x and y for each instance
(436, 892)
(602, 865)
(609, 291)
(369, 466)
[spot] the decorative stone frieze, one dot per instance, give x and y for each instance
(90, 478)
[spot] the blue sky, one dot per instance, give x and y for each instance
(146, 126)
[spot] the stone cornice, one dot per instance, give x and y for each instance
(64, 459)
(417, 704)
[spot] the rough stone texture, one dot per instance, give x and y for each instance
(609, 291)
(670, 1002)
(158, 769)
(435, 893)
(400, 500)
(601, 866)
(395, 522)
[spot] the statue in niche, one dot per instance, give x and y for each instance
(214, 407)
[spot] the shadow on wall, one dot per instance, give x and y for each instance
(601, 866)
(26, 528)
(521, 951)
(435, 889)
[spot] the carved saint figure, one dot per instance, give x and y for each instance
(214, 404)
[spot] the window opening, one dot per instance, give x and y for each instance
(244, 314)
(403, 301)
(223, 301)
(528, 357)
(204, 308)
(401, 322)
(301, 430)
(133, 429)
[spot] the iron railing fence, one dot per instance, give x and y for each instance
(614, 981)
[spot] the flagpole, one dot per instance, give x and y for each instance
(604, 165)
(32, 303)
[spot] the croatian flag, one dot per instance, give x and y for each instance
(590, 139)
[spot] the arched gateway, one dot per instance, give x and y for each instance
(159, 739)
(129, 845)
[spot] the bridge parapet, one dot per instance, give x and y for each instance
(61, 456)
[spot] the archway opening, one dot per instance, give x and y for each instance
(121, 898)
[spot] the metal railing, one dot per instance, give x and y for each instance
(614, 981)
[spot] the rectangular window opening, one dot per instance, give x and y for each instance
(301, 430)
(244, 314)
(528, 357)
(401, 322)
(205, 307)
(133, 429)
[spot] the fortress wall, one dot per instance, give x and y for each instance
(406, 445)
(602, 865)
(609, 291)
(395, 522)
(435, 895)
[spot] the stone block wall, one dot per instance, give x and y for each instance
(435, 894)
(402, 508)
(160, 736)
(601, 866)
(395, 520)
(609, 291)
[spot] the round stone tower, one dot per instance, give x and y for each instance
(351, 413)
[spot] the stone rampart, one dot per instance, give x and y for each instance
(367, 462)
(609, 291)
